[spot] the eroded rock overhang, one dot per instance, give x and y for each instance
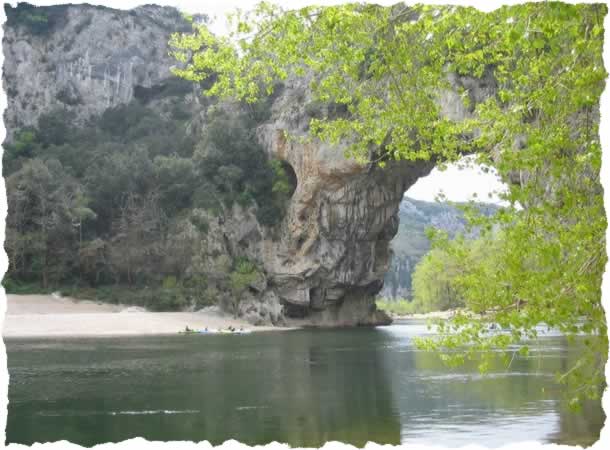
(334, 246)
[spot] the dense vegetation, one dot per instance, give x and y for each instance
(411, 242)
(539, 127)
(115, 208)
(436, 279)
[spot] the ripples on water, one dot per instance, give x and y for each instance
(302, 387)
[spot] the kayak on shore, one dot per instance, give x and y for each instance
(214, 331)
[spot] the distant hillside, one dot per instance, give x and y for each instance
(411, 242)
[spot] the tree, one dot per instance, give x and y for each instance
(44, 206)
(24, 145)
(235, 168)
(175, 178)
(81, 213)
(108, 200)
(140, 232)
(434, 287)
(537, 123)
(55, 127)
(244, 274)
(93, 260)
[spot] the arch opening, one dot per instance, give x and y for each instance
(429, 202)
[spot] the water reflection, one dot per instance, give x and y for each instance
(303, 388)
(515, 402)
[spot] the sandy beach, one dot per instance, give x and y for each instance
(38, 316)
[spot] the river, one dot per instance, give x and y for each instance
(302, 387)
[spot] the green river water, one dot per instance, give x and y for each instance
(302, 387)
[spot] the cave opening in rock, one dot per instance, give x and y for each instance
(294, 311)
(291, 176)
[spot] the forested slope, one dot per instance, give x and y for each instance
(110, 195)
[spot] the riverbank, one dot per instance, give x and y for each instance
(429, 315)
(39, 316)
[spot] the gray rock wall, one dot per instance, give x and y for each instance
(90, 59)
(333, 253)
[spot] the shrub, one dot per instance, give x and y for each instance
(400, 307)
(36, 20)
(170, 282)
(243, 275)
(166, 299)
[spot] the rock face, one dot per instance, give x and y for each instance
(83, 58)
(333, 252)
(326, 261)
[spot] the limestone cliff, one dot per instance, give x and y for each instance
(83, 58)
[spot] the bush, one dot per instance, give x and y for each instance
(166, 299)
(235, 168)
(36, 20)
(67, 97)
(20, 287)
(200, 223)
(268, 214)
(400, 307)
(170, 282)
(244, 274)
(55, 127)
(120, 119)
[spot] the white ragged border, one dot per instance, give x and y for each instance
(219, 8)
(3, 258)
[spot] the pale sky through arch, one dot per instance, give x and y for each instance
(459, 185)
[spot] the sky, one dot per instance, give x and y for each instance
(459, 184)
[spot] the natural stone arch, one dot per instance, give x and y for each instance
(334, 249)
